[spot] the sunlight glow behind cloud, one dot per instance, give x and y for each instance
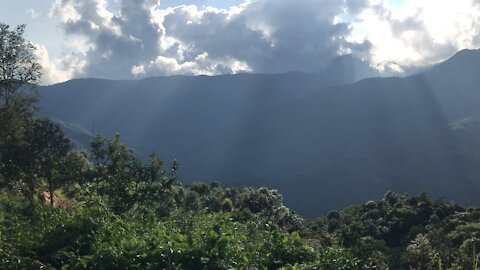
(419, 32)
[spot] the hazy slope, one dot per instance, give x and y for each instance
(351, 142)
(177, 116)
(323, 148)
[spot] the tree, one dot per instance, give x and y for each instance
(49, 149)
(42, 150)
(114, 172)
(173, 172)
(19, 69)
(19, 75)
(126, 181)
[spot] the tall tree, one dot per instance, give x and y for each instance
(48, 150)
(19, 69)
(114, 172)
(125, 180)
(19, 76)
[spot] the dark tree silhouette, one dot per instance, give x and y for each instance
(19, 75)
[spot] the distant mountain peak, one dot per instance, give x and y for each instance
(466, 60)
(466, 52)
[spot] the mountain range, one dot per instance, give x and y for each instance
(325, 140)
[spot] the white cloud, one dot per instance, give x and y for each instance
(419, 33)
(140, 39)
(257, 36)
(138, 70)
(56, 70)
(65, 13)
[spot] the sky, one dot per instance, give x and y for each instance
(129, 39)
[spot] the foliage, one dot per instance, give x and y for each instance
(19, 73)
(131, 214)
(406, 232)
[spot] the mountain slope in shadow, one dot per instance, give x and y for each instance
(323, 148)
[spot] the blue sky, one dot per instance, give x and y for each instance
(270, 36)
(215, 3)
(396, 3)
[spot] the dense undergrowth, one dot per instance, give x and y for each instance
(204, 226)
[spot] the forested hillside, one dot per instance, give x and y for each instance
(117, 212)
(290, 133)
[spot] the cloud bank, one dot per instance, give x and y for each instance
(127, 39)
(421, 33)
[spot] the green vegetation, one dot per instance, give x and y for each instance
(148, 221)
(61, 208)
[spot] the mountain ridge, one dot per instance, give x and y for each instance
(308, 135)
